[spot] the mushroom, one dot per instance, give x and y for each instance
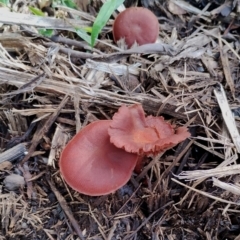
(92, 165)
(135, 133)
(101, 157)
(136, 24)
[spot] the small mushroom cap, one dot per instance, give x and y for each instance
(136, 24)
(135, 133)
(92, 165)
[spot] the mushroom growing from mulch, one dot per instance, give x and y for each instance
(92, 165)
(136, 24)
(102, 156)
(135, 133)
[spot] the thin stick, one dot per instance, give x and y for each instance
(66, 209)
(39, 134)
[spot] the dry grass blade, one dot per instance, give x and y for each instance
(117, 69)
(209, 150)
(228, 161)
(233, 188)
(206, 194)
(50, 86)
(29, 86)
(228, 116)
(188, 7)
(217, 172)
(41, 22)
(226, 68)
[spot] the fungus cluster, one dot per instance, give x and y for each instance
(136, 24)
(102, 156)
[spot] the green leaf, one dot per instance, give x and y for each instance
(103, 16)
(46, 32)
(4, 2)
(88, 29)
(83, 34)
(69, 3)
(36, 11)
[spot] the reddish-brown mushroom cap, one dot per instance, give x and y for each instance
(92, 165)
(133, 132)
(136, 24)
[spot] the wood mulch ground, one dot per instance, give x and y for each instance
(51, 87)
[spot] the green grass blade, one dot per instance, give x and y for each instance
(83, 34)
(69, 3)
(46, 32)
(36, 11)
(4, 2)
(103, 16)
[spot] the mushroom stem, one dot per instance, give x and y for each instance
(140, 162)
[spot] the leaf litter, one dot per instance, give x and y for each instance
(52, 86)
